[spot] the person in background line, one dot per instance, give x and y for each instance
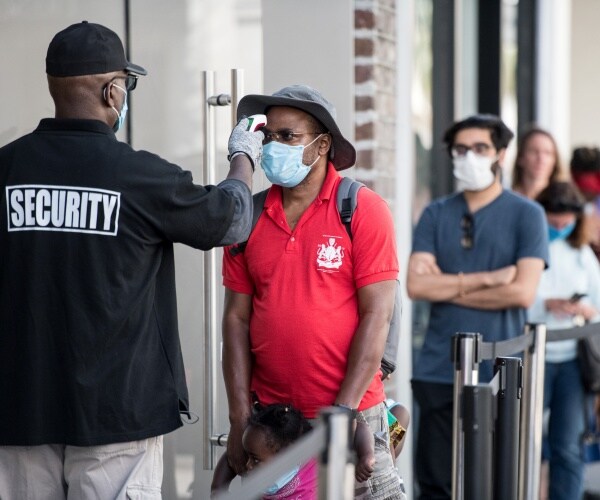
(477, 257)
(585, 170)
(568, 295)
(307, 309)
(537, 163)
(90, 358)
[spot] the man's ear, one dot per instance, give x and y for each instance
(108, 95)
(325, 144)
(501, 155)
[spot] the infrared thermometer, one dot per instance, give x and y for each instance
(256, 122)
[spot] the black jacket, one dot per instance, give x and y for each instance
(89, 346)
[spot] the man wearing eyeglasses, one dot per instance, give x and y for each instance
(307, 308)
(90, 359)
(477, 257)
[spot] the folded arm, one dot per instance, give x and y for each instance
(425, 280)
(510, 286)
(520, 292)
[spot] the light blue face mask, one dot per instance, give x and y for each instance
(283, 164)
(560, 234)
(120, 116)
(282, 481)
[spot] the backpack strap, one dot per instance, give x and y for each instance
(258, 204)
(346, 201)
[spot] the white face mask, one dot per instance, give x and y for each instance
(473, 172)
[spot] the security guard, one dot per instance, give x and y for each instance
(90, 358)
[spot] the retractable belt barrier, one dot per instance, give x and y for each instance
(497, 429)
(329, 441)
(510, 347)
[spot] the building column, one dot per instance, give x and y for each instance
(375, 94)
(553, 70)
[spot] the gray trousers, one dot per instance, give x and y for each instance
(120, 471)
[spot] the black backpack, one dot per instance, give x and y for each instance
(346, 202)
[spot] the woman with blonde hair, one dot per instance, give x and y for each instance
(537, 163)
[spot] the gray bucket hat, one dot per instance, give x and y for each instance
(309, 100)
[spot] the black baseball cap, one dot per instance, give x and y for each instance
(87, 49)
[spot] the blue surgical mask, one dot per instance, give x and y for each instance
(282, 481)
(560, 234)
(283, 164)
(120, 116)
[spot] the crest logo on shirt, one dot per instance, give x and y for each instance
(329, 255)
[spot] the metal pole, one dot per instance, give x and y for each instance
(506, 459)
(128, 123)
(210, 265)
(237, 91)
(478, 441)
(530, 447)
(465, 356)
(336, 469)
(210, 283)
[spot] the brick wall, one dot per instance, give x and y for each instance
(375, 93)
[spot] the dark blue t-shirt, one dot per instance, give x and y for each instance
(510, 228)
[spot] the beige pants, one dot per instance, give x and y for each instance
(121, 471)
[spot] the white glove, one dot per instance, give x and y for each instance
(248, 143)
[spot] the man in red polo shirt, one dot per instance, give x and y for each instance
(307, 308)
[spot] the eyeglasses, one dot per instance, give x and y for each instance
(284, 135)
(479, 148)
(467, 225)
(130, 81)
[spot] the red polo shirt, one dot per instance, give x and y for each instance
(304, 304)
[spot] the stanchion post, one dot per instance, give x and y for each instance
(530, 447)
(506, 457)
(336, 468)
(466, 357)
(478, 427)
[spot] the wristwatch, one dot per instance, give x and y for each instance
(353, 411)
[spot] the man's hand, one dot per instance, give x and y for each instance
(236, 456)
(565, 308)
(248, 143)
(502, 276)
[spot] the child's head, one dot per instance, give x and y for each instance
(270, 429)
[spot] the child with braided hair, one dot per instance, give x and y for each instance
(274, 427)
(270, 429)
